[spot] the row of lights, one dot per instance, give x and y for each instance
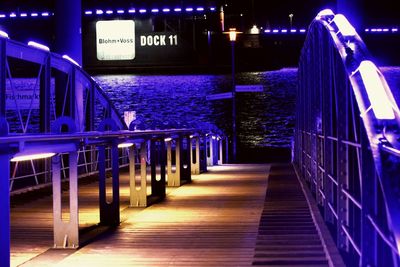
(144, 11)
(25, 15)
(275, 31)
(379, 30)
(367, 30)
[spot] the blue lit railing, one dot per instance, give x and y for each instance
(347, 142)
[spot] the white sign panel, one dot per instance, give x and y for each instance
(115, 40)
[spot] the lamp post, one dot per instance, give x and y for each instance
(291, 20)
(232, 38)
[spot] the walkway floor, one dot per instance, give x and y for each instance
(211, 222)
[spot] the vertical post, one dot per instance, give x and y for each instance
(157, 157)
(195, 164)
(3, 59)
(4, 208)
(233, 103)
(66, 233)
(185, 165)
(109, 212)
(45, 96)
(69, 28)
(210, 161)
(174, 178)
(138, 196)
(220, 155)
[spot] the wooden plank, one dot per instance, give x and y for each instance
(212, 221)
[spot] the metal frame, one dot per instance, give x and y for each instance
(348, 156)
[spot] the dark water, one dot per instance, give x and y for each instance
(174, 101)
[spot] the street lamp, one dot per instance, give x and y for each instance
(232, 38)
(291, 20)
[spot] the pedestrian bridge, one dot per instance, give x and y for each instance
(80, 187)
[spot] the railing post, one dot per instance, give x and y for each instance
(66, 233)
(157, 158)
(185, 165)
(203, 153)
(109, 212)
(210, 150)
(195, 168)
(3, 60)
(4, 207)
(369, 188)
(220, 154)
(138, 195)
(174, 177)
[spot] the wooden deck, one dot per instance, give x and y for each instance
(211, 222)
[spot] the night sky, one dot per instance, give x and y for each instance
(264, 13)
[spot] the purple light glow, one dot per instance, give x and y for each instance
(267, 31)
(189, 9)
(154, 10)
(275, 31)
(284, 30)
(200, 9)
(302, 30)
(177, 9)
(45, 14)
(142, 11)
(212, 8)
(131, 11)
(88, 12)
(120, 11)
(395, 30)
(293, 30)
(34, 14)
(109, 12)
(13, 15)
(166, 10)
(99, 12)
(2, 15)
(22, 15)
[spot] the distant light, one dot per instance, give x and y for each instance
(88, 12)
(212, 8)
(2, 15)
(125, 145)
(379, 30)
(99, 12)
(200, 9)
(34, 14)
(32, 157)
(395, 29)
(385, 30)
(302, 30)
(366, 30)
(189, 9)
(120, 11)
(38, 46)
(3, 34)
(344, 26)
(109, 12)
(373, 30)
(131, 11)
(70, 60)
(275, 31)
(177, 9)
(45, 14)
(293, 30)
(168, 139)
(154, 10)
(376, 91)
(166, 10)
(142, 11)
(13, 15)
(284, 30)
(267, 31)
(213, 137)
(232, 34)
(254, 30)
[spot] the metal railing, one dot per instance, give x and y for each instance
(346, 148)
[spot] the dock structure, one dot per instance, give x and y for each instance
(213, 221)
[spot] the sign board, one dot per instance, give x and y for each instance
(23, 99)
(249, 88)
(220, 96)
(115, 40)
